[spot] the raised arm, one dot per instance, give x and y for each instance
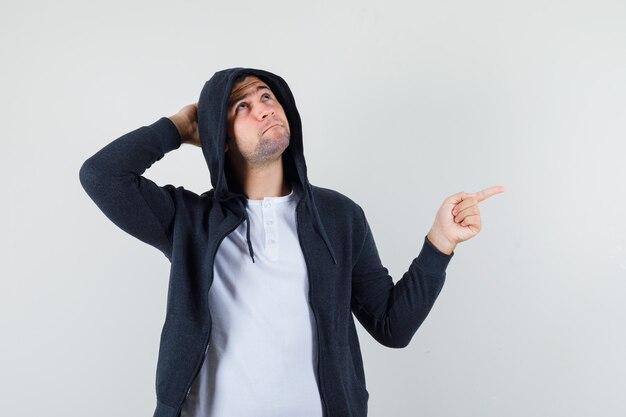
(392, 313)
(113, 178)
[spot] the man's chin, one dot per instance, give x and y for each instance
(275, 135)
(273, 144)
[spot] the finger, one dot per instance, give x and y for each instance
(488, 192)
(473, 220)
(469, 201)
(470, 211)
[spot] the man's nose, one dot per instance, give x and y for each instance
(265, 111)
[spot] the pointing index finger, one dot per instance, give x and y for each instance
(488, 192)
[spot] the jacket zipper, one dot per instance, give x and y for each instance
(199, 365)
(319, 378)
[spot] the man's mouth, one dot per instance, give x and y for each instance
(271, 126)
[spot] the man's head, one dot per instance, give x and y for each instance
(258, 130)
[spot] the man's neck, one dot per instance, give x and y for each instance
(265, 181)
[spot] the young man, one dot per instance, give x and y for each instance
(267, 270)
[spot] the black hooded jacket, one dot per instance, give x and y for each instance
(345, 273)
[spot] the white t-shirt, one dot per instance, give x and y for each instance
(262, 355)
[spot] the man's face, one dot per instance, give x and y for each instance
(257, 124)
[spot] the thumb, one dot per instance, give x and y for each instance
(457, 198)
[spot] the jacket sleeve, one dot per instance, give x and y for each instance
(113, 179)
(393, 313)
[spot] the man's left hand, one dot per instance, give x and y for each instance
(458, 219)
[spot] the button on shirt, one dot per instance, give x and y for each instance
(262, 354)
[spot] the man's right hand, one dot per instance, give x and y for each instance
(186, 121)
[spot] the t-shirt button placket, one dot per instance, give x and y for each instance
(271, 239)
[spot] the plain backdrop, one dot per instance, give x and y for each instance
(403, 104)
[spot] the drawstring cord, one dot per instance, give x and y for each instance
(245, 215)
(317, 223)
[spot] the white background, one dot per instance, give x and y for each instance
(403, 104)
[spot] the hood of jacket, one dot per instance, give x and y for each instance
(213, 130)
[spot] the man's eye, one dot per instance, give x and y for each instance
(241, 105)
(266, 95)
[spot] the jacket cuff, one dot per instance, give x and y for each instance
(167, 131)
(432, 260)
